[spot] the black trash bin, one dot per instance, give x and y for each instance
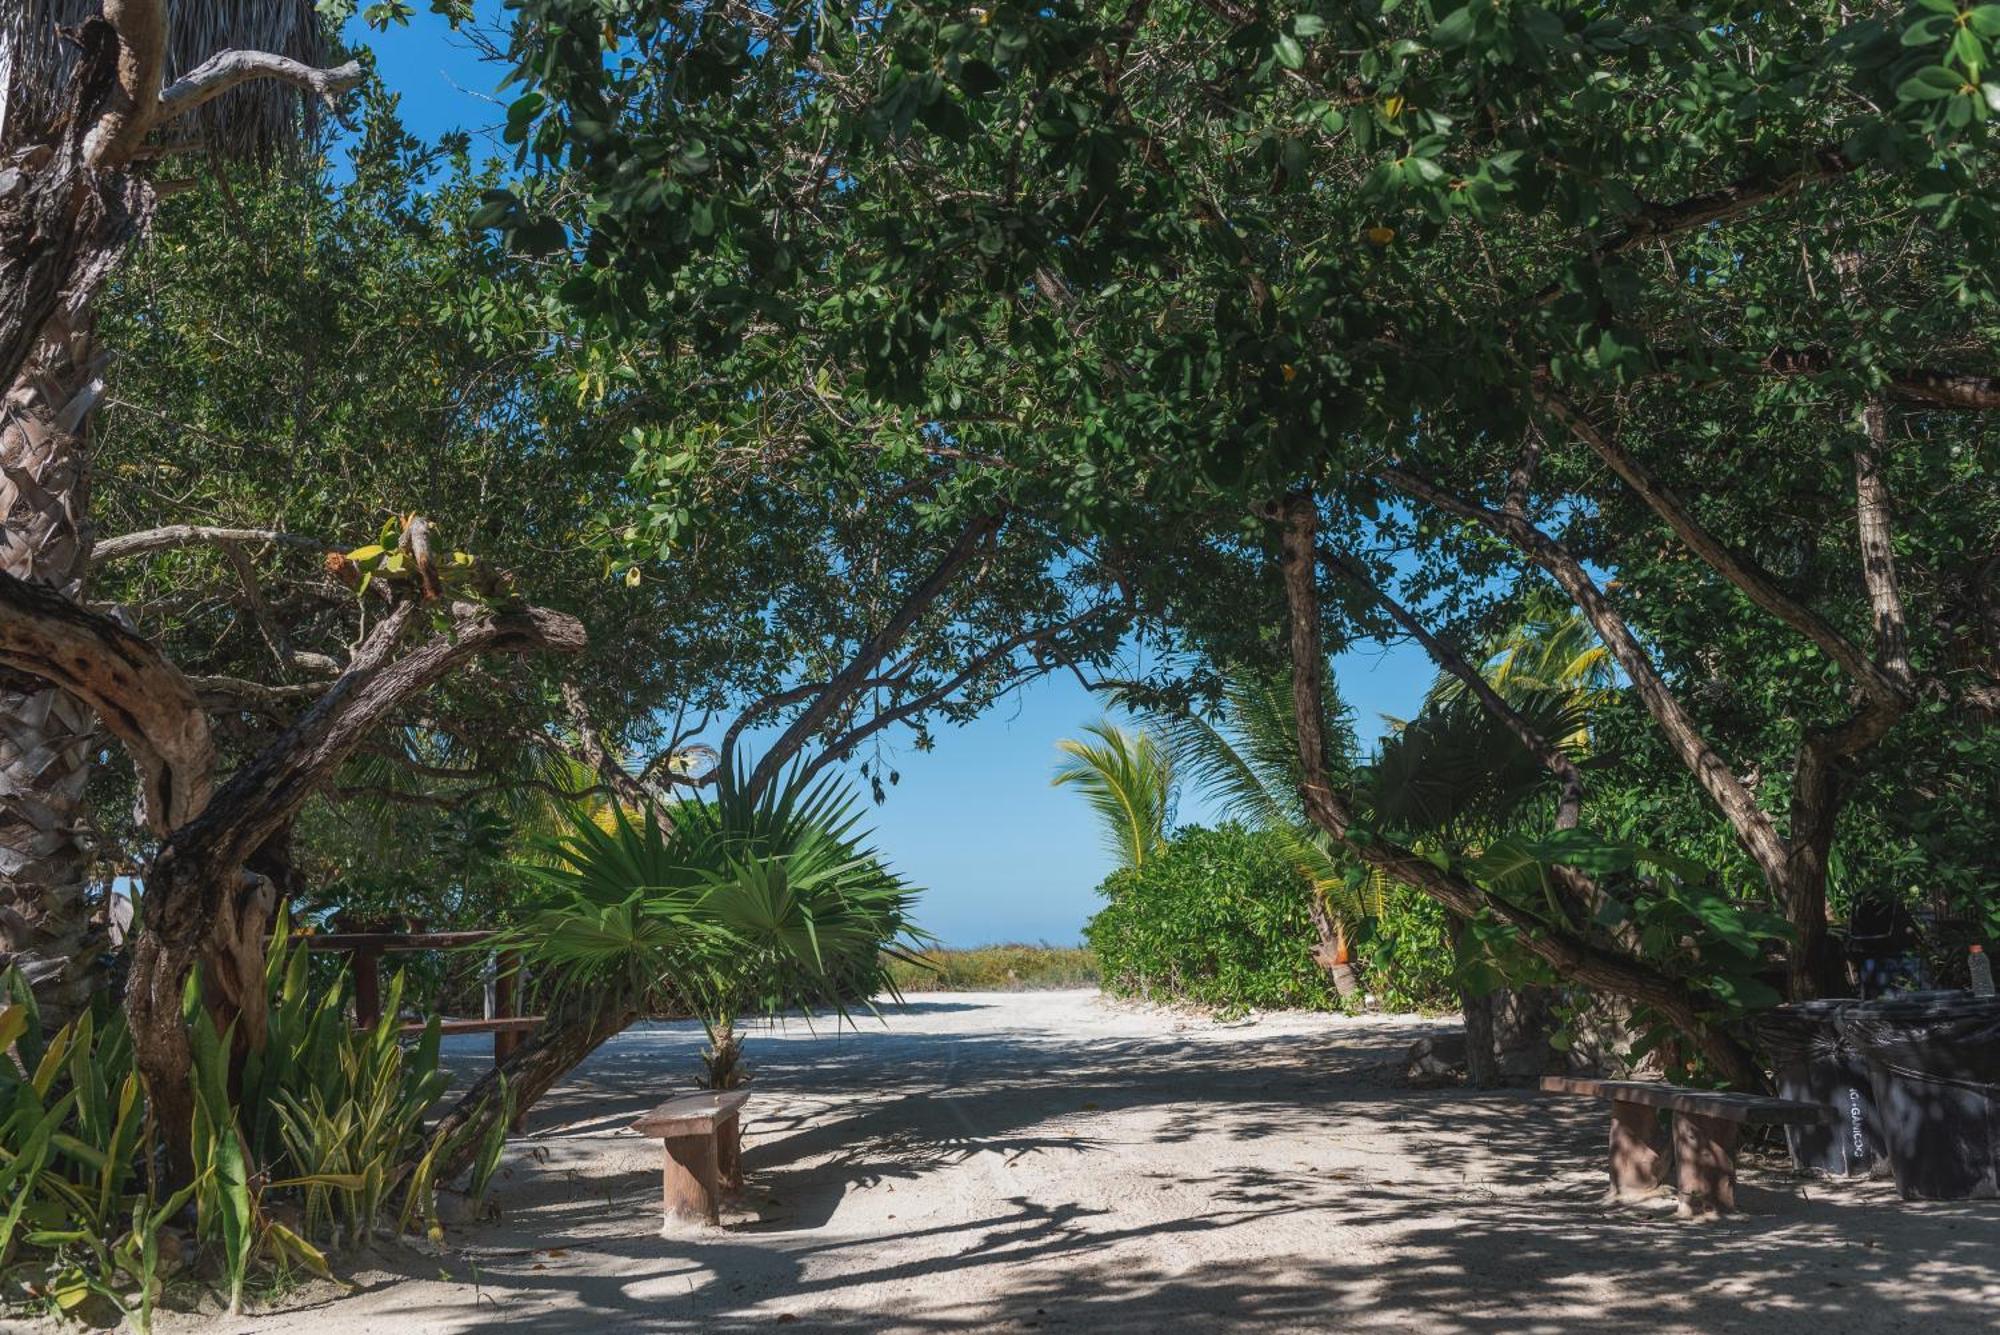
(1815, 1064)
(1934, 1064)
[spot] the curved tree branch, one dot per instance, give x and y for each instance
(1738, 805)
(141, 697)
(271, 788)
(1573, 958)
(1754, 583)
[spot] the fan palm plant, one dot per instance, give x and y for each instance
(746, 903)
(1127, 776)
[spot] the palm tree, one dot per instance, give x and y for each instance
(76, 203)
(1247, 764)
(1127, 776)
(746, 903)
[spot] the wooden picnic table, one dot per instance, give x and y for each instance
(364, 951)
(1707, 1126)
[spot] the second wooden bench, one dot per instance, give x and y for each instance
(1707, 1126)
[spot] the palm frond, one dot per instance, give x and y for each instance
(749, 901)
(1127, 777)
(1455, 769)
(255, 122)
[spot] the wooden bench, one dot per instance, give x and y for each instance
(704, 1153)
(1706, 1127)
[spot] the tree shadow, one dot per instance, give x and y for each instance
(1301, 1185)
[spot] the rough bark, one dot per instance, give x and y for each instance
(69, 210)
(63, 228)
(1822, 779)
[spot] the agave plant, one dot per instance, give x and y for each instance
(1127, 776)
(747, 903)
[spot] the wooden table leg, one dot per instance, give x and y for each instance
(366, 963)
(692, 1186)
(1705, 1164)
(729, 1152)
(1636, 1160)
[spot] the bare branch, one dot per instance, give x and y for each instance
(873, 650)
(1730, 202)
(1555, 760)
(594, 754)
(220, 73)
(1755, 584)
(270, 789)
(846, 742)
(1750, 821)
(174, 536)
(1878, 552)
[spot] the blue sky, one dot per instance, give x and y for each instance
(1001, 854)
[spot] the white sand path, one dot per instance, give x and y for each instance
(1055, 1161)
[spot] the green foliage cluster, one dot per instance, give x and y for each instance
(1002, 968)
(322, 1146)
(1217, 918)
(756, 901)
(1405, 953)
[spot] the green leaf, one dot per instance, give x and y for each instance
(1928, 85)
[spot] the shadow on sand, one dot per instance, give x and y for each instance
(1486, 1217)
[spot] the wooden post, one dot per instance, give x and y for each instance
(1705, 1164)
(729, 1152)
(692, 1181)
(367, 985)
(504, 1005)
(507, 991)
(1636, 1160)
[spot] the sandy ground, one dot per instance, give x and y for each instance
(1056, 1161)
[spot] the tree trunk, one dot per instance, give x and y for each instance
(1573, 956)
(1331, 952)
(570, 1033)
(63, 228)
(45, 733)
(1506, 1028)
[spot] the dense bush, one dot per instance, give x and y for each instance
(1005, 968)
(1217, 917)
(1405, 953)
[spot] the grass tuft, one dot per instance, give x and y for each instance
(1008, 968)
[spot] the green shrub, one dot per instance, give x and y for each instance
(1006, 968)
(1405, 953)
(1218, 917)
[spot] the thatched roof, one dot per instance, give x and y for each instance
(256, 121)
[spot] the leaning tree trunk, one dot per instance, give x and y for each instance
(573, 1029)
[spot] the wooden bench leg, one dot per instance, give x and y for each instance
(1705, 1164)
(729, 1152)
(692, 1186)
(1636, 1160)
